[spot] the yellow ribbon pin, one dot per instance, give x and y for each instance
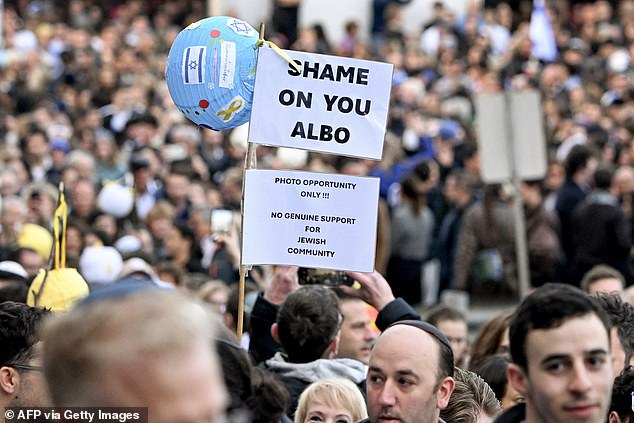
(227, 113)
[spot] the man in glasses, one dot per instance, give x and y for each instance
(21, 381)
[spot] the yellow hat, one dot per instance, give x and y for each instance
(57, 289)
(36, 238)
(60, 287)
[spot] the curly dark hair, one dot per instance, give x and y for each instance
(622, 393)
(19, 324)
(620, 316)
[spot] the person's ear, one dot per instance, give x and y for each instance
(9, 380)
(333, 348)
(274, 333)
(444, 392)
(518, 379)
(613, 417)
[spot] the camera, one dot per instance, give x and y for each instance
(327, 277)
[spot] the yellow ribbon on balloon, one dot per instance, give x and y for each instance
(235, 106)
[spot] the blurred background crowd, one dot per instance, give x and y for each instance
(83, 101)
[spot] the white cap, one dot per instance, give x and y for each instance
(116, 200)
(128, 244)
(13, 268)
(100, 264)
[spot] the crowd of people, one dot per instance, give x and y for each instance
(84, 109)
(84, 102)
(563, 355)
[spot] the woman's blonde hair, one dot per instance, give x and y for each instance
(335, 392)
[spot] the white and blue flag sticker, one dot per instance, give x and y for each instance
(193, 69)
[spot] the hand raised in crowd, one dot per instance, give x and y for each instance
(230, 241)
(374, 289)
(284, 282)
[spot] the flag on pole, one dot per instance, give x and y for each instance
(541, 33)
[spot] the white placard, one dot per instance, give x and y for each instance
(310, 219)
(520, 112)
(335, 105)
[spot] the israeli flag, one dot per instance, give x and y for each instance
(541, 33)
(193, 68)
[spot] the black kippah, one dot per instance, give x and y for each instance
(426, 327)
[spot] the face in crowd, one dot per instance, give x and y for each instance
(561, 356)
(404, 382)
(357, 333)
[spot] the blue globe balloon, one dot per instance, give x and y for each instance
(211, 71)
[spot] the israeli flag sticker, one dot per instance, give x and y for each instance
(193, 68)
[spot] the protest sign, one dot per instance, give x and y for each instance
(334, 105)
(310, 219)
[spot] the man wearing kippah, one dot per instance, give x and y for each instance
(410, 377)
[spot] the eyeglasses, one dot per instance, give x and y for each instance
(25, 367)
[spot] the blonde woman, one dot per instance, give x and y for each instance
(335, 400)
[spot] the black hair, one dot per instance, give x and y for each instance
(252, 390)
(409, 190)
(307, 322)
(493, 371)
(548, 307)
(620, 315)
(186, 232)
(138, 118)
(577, 159)
(18, 331)
(621, 402)
(14, 290)
(469, 151)
(603, 177)
(422, 171)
